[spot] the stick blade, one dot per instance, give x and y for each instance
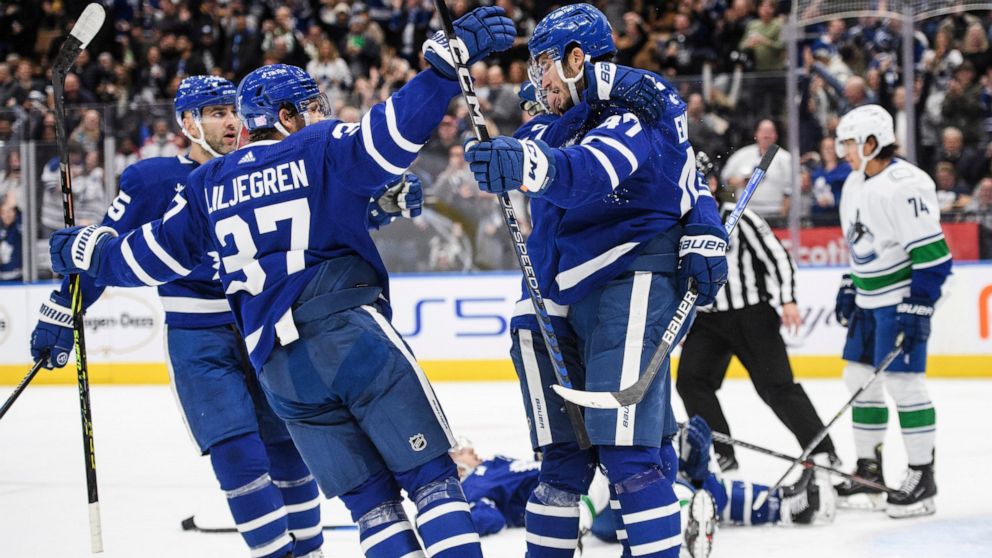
(88, 24)
(592, 399)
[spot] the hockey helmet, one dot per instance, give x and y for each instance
(579, 25)
(861, 123)
(196, 93)
(263, 92)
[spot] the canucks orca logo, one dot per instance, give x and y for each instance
(861, 241)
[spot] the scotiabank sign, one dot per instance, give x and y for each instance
(826, 245)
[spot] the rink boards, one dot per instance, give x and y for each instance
(458, 326)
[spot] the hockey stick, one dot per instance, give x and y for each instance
(86, 27)
(808, 463)
(20, 387)
(635, 393)
(510, 219)
(823, 431)
(189, 524)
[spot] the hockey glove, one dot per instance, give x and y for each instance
(77, 249)
(52, 337)
(913, 321)
(702, 256)
(695, 440)
(481, 32)
(844, 306)
(635, 90)
(505, 164)
(403, 198)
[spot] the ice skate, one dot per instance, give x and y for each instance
(915, 496)
(853, 495)
(702, 525)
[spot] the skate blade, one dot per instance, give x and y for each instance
(865, 502)
(925, 506)
(703, 513)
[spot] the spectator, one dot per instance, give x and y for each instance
(962, 103)
(25, 77)
(728, 35)
(771, 200)
(434, 157)
(10, 92)
(363, 44)
(828, 179)
(280, 35)
(89, 133)
(241, 49)
(502, 102)
(11, 189)
(88, 193)
(706, 130)
(981, 207)
(11, 258)
(967, 161)
(952, 193)
(451, 252)
(451, 179)
(682, 53)
(763, 39)
(409, 28)
(330, 71)
(975, 48)
(127, 154)
(162, 142)
(152, 76)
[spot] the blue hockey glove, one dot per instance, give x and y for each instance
(695, 440)
(482, 32)
(77, 249)
(844, 306)
(913, 321)
(403, 198)
(505, 164)
(635, 90)
(52, 338)
(702, 256)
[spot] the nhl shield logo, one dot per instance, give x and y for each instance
(418, 442)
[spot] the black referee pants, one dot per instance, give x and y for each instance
(752, 334)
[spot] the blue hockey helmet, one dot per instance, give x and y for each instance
(198, 92)
(579, 25)
(195, 93)
(263, 92)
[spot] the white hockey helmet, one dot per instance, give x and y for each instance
(862, 122)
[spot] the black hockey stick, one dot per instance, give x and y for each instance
(189, 524)
(808, 463)
(635, 393)
(86, 27)
(20, 387)
(823, 431)
(510, 219)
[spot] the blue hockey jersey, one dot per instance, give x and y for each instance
(623, 183)
(275, 210)
(497, 490)
(146, 190)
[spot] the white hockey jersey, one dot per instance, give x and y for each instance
(891, 222)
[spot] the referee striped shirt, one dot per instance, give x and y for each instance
(759, 270)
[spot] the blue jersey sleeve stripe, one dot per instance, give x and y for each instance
(604, 161)
(177, 205)
(395, 133)
(134, 266)
(160, 252)
(371, 149)
(617, 146)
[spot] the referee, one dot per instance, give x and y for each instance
(743, 323)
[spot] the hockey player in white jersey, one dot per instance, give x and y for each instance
(899, 260)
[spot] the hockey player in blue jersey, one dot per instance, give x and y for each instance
(287, 214)
(271, 493)
(629, 198)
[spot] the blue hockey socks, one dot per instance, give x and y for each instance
(384, 529)
(618, 522)
(648, 506)
(242, 468)
(299, 495)
(742, 495)
(552, 519)
(443, 517)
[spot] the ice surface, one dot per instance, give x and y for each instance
(151, 477)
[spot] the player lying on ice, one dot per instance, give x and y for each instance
(288, 216)
(497, 490)
(613, 195)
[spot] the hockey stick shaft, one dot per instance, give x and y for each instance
(636, 392)
(513, 227)
(723, 438)
(20, 387)
(87, 26)
(826, 429)
(189, 524)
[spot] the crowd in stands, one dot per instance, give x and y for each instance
(727, 57)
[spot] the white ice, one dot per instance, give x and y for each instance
(150, 477)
